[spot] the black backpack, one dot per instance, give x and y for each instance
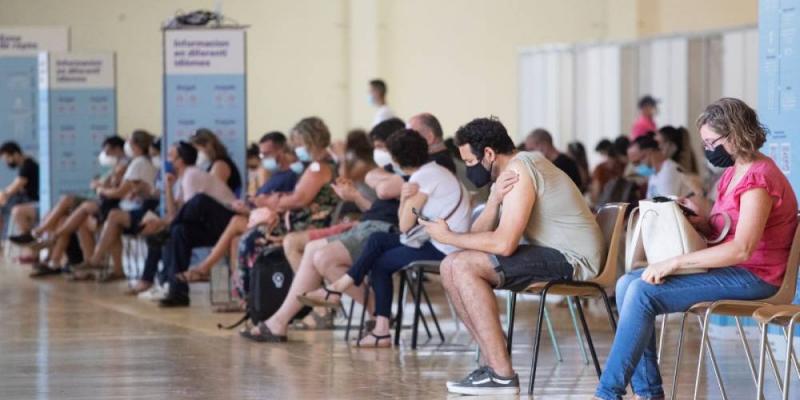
(269, 282)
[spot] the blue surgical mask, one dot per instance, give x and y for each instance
(297, 167)
(302, 154)
(645, 170)
(269, 164)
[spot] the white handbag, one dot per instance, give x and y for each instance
(662, 232)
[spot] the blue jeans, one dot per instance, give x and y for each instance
(633, 354)
(382, 256)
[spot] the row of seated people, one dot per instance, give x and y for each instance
(536, 227)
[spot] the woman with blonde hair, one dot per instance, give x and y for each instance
(749, 264)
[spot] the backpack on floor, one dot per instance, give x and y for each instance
(270, 279)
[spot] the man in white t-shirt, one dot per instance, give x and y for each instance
(198, 212)
(377, 98)
(665, 177)
(135, 194)
(432, 192)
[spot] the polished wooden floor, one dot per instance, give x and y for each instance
(63, 340)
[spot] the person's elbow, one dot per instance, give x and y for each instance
(742, 251)
(506, 247)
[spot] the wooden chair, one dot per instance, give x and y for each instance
(611, 218)
(737, 309)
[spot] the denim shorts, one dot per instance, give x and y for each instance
(530, 264)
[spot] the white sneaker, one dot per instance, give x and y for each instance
(155, 293)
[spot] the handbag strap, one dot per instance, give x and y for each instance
(726, 228)
(458, 204)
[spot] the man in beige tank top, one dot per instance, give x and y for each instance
(535, 227)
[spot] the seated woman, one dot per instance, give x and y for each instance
(212, 156)
(748, 265)
(79, 215)
(310, 204)
(257, 175)
(136, 193)
(433, 190)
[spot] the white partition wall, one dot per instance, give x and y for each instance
(597, 95)
(740, 61)
(546, 92)
(664, 75)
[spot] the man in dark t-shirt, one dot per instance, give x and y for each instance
(540, 140)
(20, 197)
(429, 127)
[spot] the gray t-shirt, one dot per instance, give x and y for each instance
(560, 218)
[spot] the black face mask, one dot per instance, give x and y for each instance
(719, 157)
(12, 164)
(479, 175)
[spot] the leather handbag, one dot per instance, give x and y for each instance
(661, 232)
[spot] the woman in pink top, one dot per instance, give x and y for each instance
(748, 265)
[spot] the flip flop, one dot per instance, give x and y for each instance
(378, 339)
(313, 302)
(193, 275)
(264, 336)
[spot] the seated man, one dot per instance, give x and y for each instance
(540, 140)
(539, 203)
(136, 194)
(21, 196)
(196, 215)
(429, 127)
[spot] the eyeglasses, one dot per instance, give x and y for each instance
(711, 145)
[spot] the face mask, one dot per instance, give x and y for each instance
(644, 170)
(479, 175)
(270, 164)
(302, 154)
(719, 157)
(203, 162)
(297, 167)
(106, 160)
(370, 100)
(128, 150)
(12, 164)
(381, 157)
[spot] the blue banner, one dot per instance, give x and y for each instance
(18, 103)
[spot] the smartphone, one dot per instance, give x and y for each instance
(419, 215)
(168, 167)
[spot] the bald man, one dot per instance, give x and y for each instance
(429, 127)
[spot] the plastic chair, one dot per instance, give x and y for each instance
(737, 309)
(611, 219)
(786, 316)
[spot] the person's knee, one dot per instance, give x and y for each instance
(640, 293)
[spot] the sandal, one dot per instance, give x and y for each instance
(193, 275)
(318, 322)
(42, 270)
(82, 275)
(106, 277)
(314, 302)
(376, 344)
(264, 335)
(137, 288)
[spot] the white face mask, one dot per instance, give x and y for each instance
(156, 161)
(269, 164)
(381, 157)
(203, 162)
(106, 160)
(129, 150)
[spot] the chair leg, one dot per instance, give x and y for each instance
(433, 314)
(588, 339)
(607, 302)
(581, 346)
(747, 351)
(349, 320)
(536, 340)
(398, 324)
(511, 310)
(678, 357)
(787, 369)
(661, 337)
(552, 333)
(363, 313)
(704, 343)
(761, 361)
(417, 298)
(794, 355)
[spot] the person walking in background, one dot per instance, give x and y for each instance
(377, 99)
(645, 123)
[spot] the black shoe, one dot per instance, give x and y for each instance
(25, 238)
(41, 270)
(484, 381)
(174, 301)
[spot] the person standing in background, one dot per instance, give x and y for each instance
(645, 123)
(377, 98)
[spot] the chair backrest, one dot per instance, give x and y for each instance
(786, 292)
(611, 218)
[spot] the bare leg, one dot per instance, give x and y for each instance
(55, 216)
(294, 245)
(306, 278)
(332, 262)
(24, 216)
(473, 285)
(56, 254)
(448, 271)
(86, 240)
(235, 228)
(112, 231)
(78, 217)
